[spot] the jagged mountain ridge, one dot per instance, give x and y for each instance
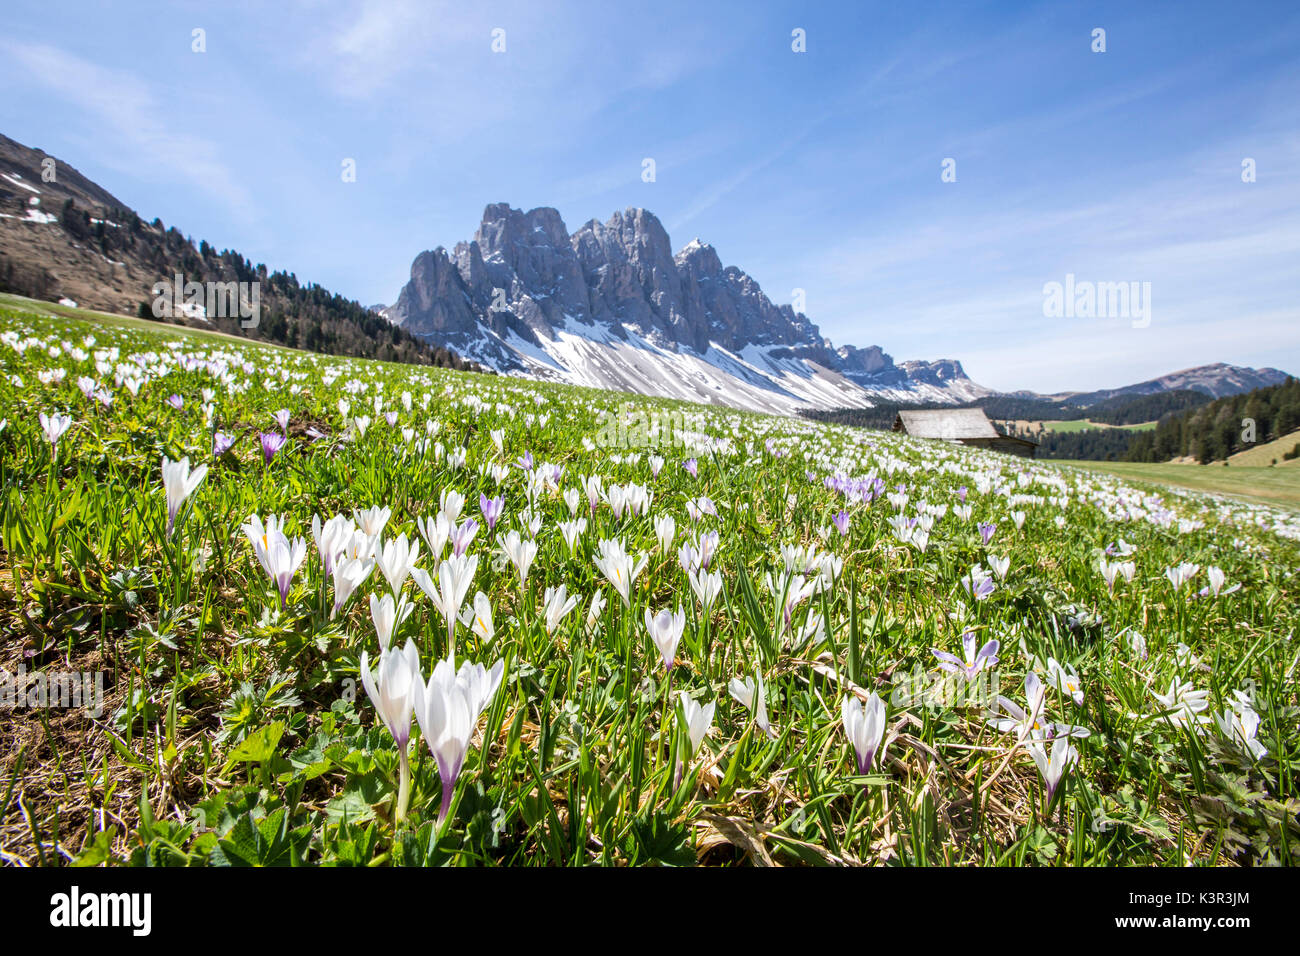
(612, 306)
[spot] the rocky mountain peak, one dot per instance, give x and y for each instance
(699, 260)
(525, 287)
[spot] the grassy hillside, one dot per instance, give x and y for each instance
(1275, 486)
(1070, 426)
(1269, 452)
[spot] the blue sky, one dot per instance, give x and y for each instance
(816, 170)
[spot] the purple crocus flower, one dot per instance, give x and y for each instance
(961, 493)
(692, 467)
(492, 509)
(842, 522)
(525, 461)
(272, 442)
(282, 419)
(221, 443)
(391, 418)
(976, 660)
(462, 536)
(986, 532)
(979, 583)
(176, 402)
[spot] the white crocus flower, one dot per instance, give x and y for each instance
(451, 503)
(349, 574)
(752, 694)
(391, 689)
(1065, 680)
(1184, 704)
(557, 604)
(179, 483)
(1217, 580)
(279, 557)
(1240, 725)
(455, 575)
(520, 552)
(1181, 574)
(373, 520)
(396, 559)
(864, 725)
(447, 708)
(707, 585)
(573, 498)
(479, 617)
(619, 568)
(698, 720)
(446, 719)
(572, 531)
(1052, 766)
(435, 531)
(331, 538)
(666, 629)
(387, 615)
(594, 610)
(479, 684)
(665, 531)
(54, 425)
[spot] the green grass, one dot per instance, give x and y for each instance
(1275, 486)
(237, 731)
(39, 307)
(1070, 426)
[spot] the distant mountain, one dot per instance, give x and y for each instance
(71, 239)
(1217, 381)
(611, 306)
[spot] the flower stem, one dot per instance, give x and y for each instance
(448, 788)
(404, 785)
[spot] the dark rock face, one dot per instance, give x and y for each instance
(436, 295)
(523, 274)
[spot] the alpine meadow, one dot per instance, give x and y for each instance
(616, 438)
(355, 613)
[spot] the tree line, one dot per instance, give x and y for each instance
(1188, 423)
(298, 315)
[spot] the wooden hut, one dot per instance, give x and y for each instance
(966, 426)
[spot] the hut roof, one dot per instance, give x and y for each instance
(950, 424)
